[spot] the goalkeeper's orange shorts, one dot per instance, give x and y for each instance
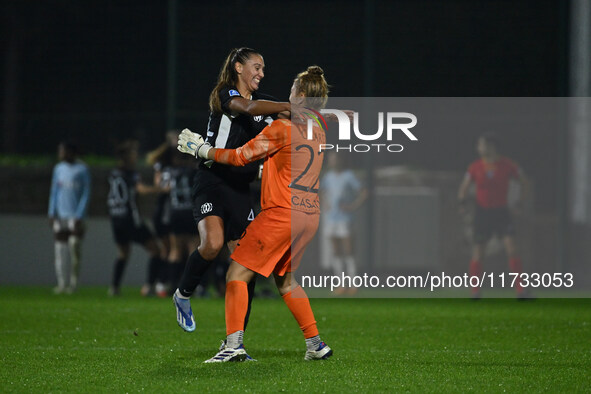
(276, 241)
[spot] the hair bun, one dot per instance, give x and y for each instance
(315, 70)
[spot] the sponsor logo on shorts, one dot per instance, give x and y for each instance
(258, 118)
(206, 208)
(233, 93)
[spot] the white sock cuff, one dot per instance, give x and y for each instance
(61, 259)
(179, 295)
(350, 266)
(313, 343)
(235, 339)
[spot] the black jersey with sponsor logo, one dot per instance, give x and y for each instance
(230, 131)
(122, 195)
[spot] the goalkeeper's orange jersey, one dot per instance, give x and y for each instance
(292, 164)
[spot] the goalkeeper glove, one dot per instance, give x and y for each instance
(193, 144)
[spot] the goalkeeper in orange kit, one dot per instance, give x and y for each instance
(277, 238)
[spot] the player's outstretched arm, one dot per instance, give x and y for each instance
(361, 197)
(257, 107)
(463, 190)
(52, 209)
(85, 197)
(267, 142)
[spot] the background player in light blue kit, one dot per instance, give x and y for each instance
(68, 202)
(342, 194)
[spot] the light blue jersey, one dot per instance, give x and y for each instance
(70, 190)
(338, 188)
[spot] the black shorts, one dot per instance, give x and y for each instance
(182, 223)
(67, 227)
(489, 222)
(126, 231)
(161, 228)
(214, 197)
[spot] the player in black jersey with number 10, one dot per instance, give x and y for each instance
(222, 204)
(128, 226)
(161, 160)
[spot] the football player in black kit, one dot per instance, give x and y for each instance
(222, 203)
(184, 236)
(127, 224)
(161, 160)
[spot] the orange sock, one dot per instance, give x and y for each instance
(299, 305)
(236, 305)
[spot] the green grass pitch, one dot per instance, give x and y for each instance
(86, 343)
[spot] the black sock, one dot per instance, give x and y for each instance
(171, 271)
(154, 265)
(194, 270)
(163, 276)
(176, 272)
(118, 270)
(251, 286)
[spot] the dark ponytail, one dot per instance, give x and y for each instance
(228, 75)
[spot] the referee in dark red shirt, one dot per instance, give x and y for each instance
(491, 174)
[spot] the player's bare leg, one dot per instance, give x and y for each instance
(211, 233)
(349, 260)
(175, 259)
(61, 260)
(154, 263)
(119, 268)
(74, 244)
(161, 288)
(164, 247)
(337, 261)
